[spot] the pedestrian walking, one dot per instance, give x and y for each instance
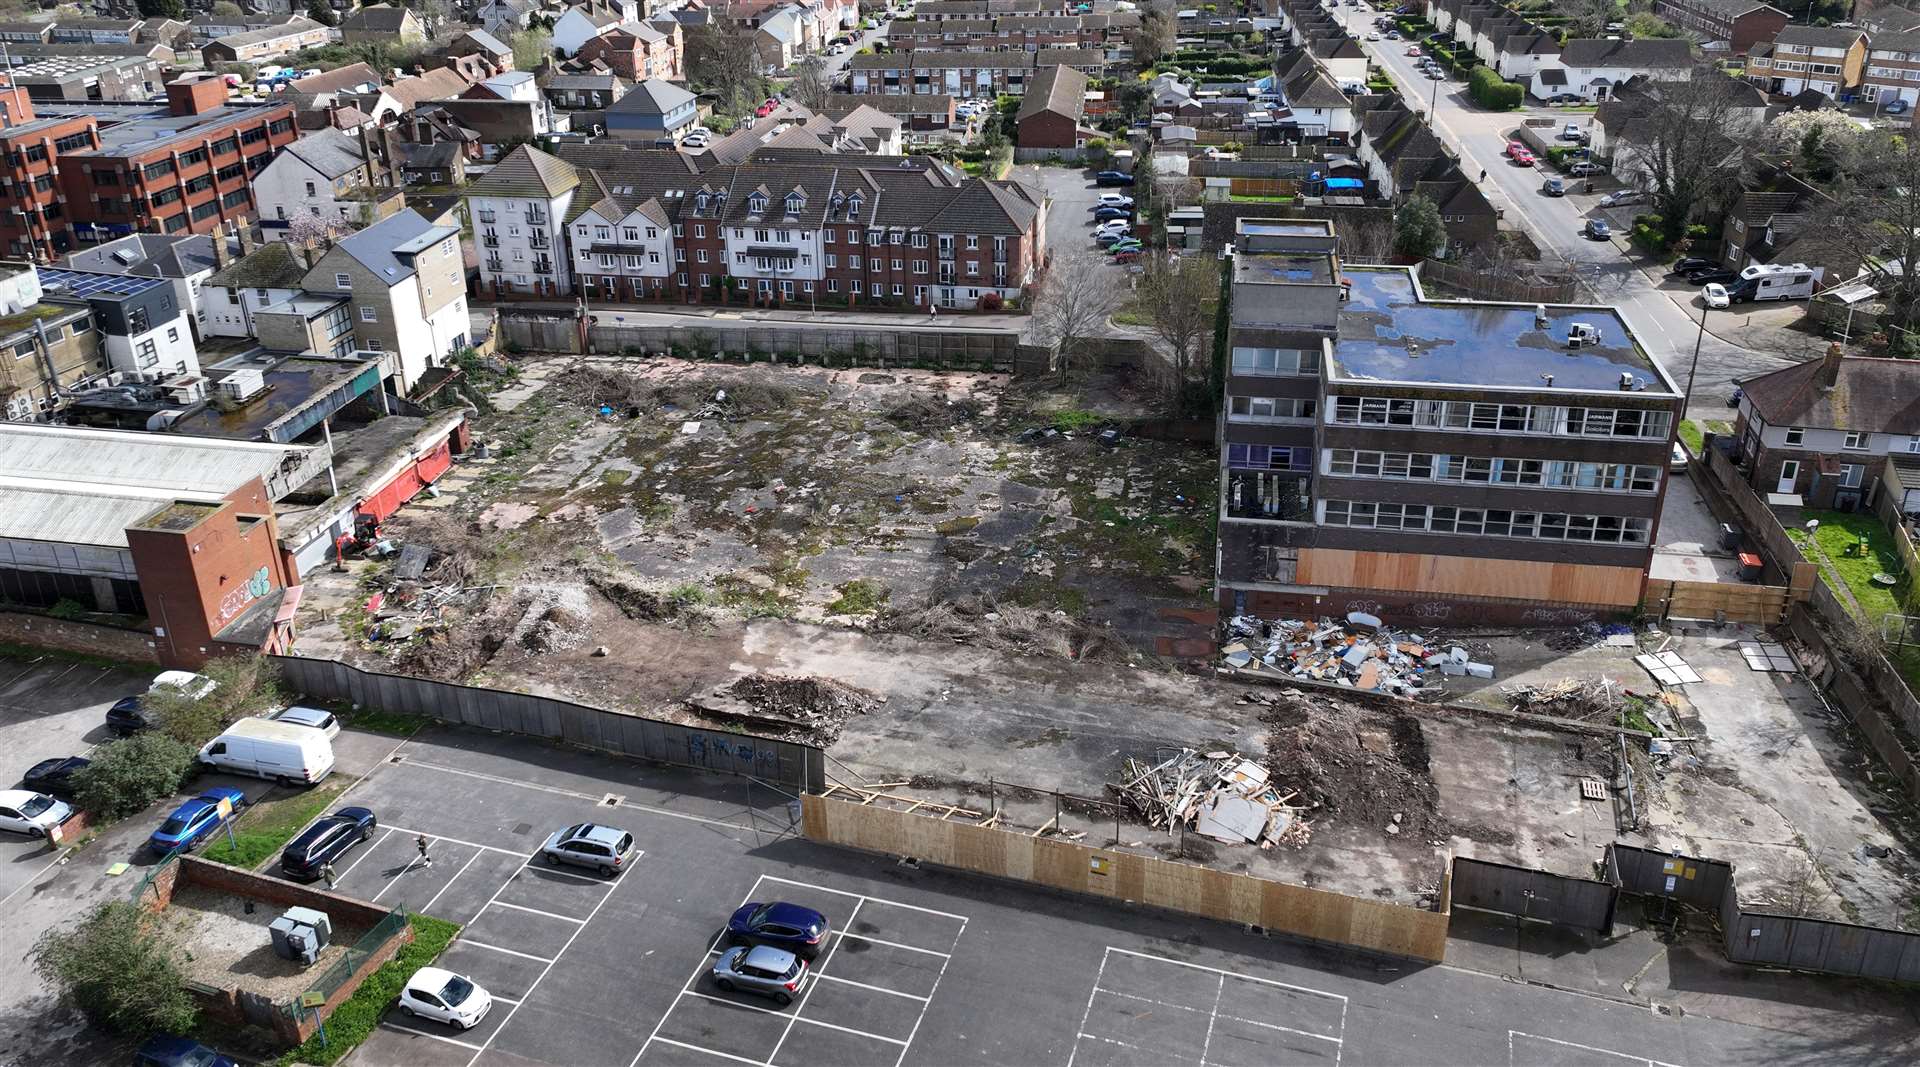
(421, 844)
(933, 311)
(326, 871)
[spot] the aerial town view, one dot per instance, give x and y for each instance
(960, 533)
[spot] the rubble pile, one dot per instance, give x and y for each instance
(796, 708)
(983, 619)
(1221, 795)
(1355, 764)
(1589, 634)
(1361, 653)
(1582, 699)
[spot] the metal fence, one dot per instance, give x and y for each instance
(796, 767)
(1534, 894)
(1688, 879)
(341, 971)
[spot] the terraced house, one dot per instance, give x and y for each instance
(784, 227)
(964, 74)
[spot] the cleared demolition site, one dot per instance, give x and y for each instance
(977, 596)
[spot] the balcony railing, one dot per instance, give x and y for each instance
(539, 242)
(490, 241)
(487, 216)
(536, 218)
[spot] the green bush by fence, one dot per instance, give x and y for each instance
(1490, 91)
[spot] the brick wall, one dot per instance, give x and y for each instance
(41, 631)
(346, 911)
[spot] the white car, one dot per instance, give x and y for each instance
(1113, 226)
(1114, 200)
(694, 140)
(443, 996)
(184, 682)
(26, 812)
(313, 718)
(1715, 295)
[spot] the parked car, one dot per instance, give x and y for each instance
(26, 812)
(1115, 200)
(1109, 214)
(1715, 295)
(53, 776)
(764, 110)
(1597, 229)
(1513, 149)
(1113, 177)
(1565, 98)
(326, 841)
(1689, 264)
(762, 969)
(1711, 275)
(129, 716)
(166, 1050)
(602, 848)
(196, 820)
(694, 140)
(1554, 187)
(1116, 227)
(1413, 50)
(446, 997)
(1677, 464)
(1124, 244)
(1898, 107)
(1523, 158)
(1109, 238)
(1623, 197)
(1570, 132)
(1129, 256)
(288, 754)
(797, 929)
(313, 718)
(1584, 168)
(184, 682)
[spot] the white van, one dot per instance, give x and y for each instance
(288, 754)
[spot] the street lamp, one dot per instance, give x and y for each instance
(1687, 401)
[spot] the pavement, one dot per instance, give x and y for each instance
(1687, 543)
(1665, 328)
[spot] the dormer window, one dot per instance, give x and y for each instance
(795, 203)
(700, 203)
(853, 206)
(756, 204)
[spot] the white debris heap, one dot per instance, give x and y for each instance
(1363, 653)
(1218, 795)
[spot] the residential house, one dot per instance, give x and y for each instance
(504, 18)
(144, 330)
(1893, 69)
(266, 276)
(184, 262)
(53, 347)
(1591, 68)
(578, 25)
(1740, 23)
(383, 22)
(323, 175)
(1522, 54)
(1343, 60)
(500, 124)
(1052, 110)
(437, 163)
(652, 110)
(1816, 434)
(922, 112)
(1743, 114)
(638, 51)
(268, 42)
(858, 130)
(497, 54)
(1774, 218)
(1317, 107)
(25, 32)
(964, 75)
(402, 96)
(517, 209)
(206, 29)
(1830, 60)
(585, 92)
(407, 284)
(96, 31)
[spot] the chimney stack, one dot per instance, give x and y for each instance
(244, 230)
(1830, 365)
(222, 255)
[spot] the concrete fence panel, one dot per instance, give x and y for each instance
(795, 767)
(1534, 894)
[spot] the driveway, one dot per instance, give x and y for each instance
(1687, 547)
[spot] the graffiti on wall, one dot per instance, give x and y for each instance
(237, 598)
(1557, 616)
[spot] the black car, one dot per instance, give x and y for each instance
(1685, 266)
(53, 775)
(129, 716)
(326, 841)
(1709, 275)
(1113, 177)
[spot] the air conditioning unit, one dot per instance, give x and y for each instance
(185, 389)
(243, 385)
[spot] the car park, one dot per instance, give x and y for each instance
(1554, 187)
(1113, 177)
(325, 841)
(1597, 229)
(761, 969)
(445, 997)
(1115, 200)
(196, 820)
(53, 776)
(799, 930)
(24, 811)
(1570, 132)
(129, 716)
(313, 718)
(1109, 214)
(1714, 295)
(601, 848)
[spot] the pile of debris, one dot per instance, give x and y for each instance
(1356, 764)
(796, 708)
(1584, 700)
(1589, 634)
(978, 617)
(1220, 795)
(1362, 653)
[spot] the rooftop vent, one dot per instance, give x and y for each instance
(243, 385)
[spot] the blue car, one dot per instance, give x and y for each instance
(798, 930)
(194, 821)
(1113, 177)
(169, 1051)
(1105, 213)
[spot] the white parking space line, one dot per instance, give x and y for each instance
(436, 1037)
(863, 896)
(890, 944)
(705, 1051)
(504, 1000)
(808, 995)
(508, 951)
(544, 869)
(536, 911)
(1214, 1014)
(1514, 1061)
(1310, 991)
(454, 840)
(890, 992)
(342, 876)
(1088, 1014)
(428, 907)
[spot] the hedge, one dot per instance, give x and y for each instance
(1491, 92)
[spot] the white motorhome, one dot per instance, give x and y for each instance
(1775, 281)
(265, 748)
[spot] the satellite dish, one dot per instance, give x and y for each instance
(1812, 525)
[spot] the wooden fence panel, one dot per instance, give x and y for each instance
(1764, 605)
(1558, 583)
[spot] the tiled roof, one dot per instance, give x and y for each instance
(1060, 90)
(330, 152)
(1905, 41)
(1868, 395)
(374, 247)
(351, 76)
(1649, 53)
(1818, 36)
(487, 41)
(652, 96)
(527, 172)
(271, 266)
(269, 33)
(380, 19)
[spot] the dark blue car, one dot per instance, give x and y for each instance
(1105, 213)
(326, 841)
(798, 930)
(1113, 177)
(196, 820)
(168, 1051)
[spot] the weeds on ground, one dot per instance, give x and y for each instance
(858, 597)
(354, 1020)
(391, 723)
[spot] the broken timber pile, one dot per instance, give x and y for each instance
(1363, 653)
(1218, 795)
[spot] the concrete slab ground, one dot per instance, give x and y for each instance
(929, 967)
(1687, 544)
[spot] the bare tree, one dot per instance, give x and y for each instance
(1180, 294)
(1154, 38)
(1680, 147)
(1075, 302)
(812, 84)
(1873, 217)
(1588, 18)
(722, 58)
(1366, 240)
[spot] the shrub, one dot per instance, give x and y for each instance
(127, 775)
(118, 971)
(991, 302)
(244, 685)
(1490, 91)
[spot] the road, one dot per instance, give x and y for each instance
(1667, 330)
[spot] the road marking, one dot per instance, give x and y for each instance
(697, 1048)
(864, 896)
(456, 841)
(1232, 974)
(890, 944)
(557, 791)
(1512, 1062)
(544, 869)
(1088, 1014)
(428, 906)
(504, 1000)
(1136, 1048)
(342, 876)
(508, 951)
(807, 994)
(874, 988)
(536, 911)
(436, 1037)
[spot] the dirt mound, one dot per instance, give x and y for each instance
(636, 601)
(453, 653)
(597, 387)
(979, 618)
(554, 629)
(793, 708)
(1362, 766)
(921, 411)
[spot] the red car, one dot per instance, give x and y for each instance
(1125, 257)
(764, 110)
(1413, 51)
(1523, 158)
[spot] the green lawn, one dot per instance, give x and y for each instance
(1694, 433)
(1133, 315)
(1839, 532)
(265, 829)
(352, 1021)
(1249, 198)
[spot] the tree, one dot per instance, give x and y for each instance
(812, 84)
(318, 10)
(1367, 239)
(243, 685)
(1588, 18)
(127, 775)
(1825, 141)
(1417, 228)
(1133, 98)
(1179, 295)
(1154, 38)
(433, 14)
(721, 58)
(226, 9)
(1648, 24)
(1679, 146)
(118, 970)
(1872, 215)
(1076, 300)
(531, 47)
(163, 9)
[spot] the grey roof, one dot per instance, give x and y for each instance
(893, 103)
(527, 172)
(487, 41)
(379, 247)
(1818, 36)
(381, 18)
(148, 255)
(1060, 90)
(84, 486)
(652, 96)
(1904, 41)
(269, 33)
(271, 266)
(331, 152)
(1649, 53)
(1872, 395)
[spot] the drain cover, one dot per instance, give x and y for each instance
(523, 828)
(612, 800)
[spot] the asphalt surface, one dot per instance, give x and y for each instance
(1663, 327)
(925, 968)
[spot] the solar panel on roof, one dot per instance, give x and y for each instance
(86, 283)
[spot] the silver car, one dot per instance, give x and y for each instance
(603, 848)
(762, 969)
